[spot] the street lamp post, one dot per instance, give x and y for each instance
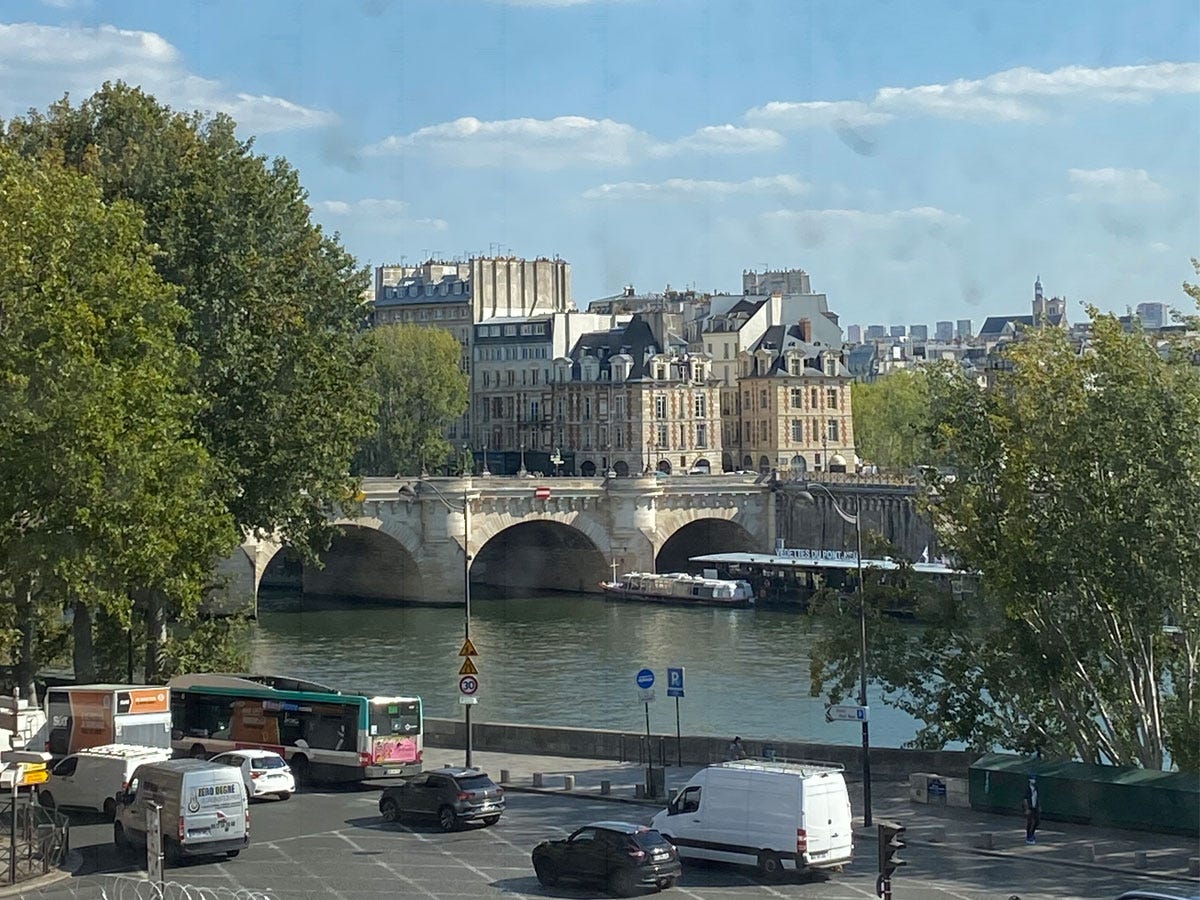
(855, 519)
(408, 493)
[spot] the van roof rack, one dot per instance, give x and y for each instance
(784, 765)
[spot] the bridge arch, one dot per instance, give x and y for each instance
(711, 531)
(561, 552)
(363, 562)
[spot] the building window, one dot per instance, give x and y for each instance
(602, 406)
(663, 438)
(797, 398)
(587, 409)
(534, 410)
(762, 399)
(833, 429)
(701, 406)
(797, 431)
(831, 398)
(816, 398)
(660, 407)
(701, 437)
(512, 377)
(619, 406)
(762, 428)
(796, 365)
(487, 379)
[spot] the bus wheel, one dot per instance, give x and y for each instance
(299, 764)
(198, 752)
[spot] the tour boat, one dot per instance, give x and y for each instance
(681, 588)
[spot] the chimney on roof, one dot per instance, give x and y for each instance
(806, 330)
(629, 290)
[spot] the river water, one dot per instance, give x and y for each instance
(567, 659)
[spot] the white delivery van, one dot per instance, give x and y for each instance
(92, 778)
(772, 814)
(202, 809)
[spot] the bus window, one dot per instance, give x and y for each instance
(396, 718)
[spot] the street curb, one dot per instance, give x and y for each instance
(72, 864)
(581, 795)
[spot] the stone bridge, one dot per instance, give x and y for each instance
(416, 539)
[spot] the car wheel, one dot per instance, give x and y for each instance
(389, 810)
(546, 872)
(121, 840)
(623, 882)
(300, 771)
(46, 799)
(232, 854)
(769, 866)
(447, 819)
(197, 752)
(284, 795)
(490, 820)
(666, 884)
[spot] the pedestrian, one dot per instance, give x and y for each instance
(736, 750)
(1032, 809)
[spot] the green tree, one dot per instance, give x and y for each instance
(1078, 501)
(101, 485)
(274, 305)
(891, 419)
(414, 373)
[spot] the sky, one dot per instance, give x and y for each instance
(921, 161)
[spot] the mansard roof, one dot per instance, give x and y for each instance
(634, 339)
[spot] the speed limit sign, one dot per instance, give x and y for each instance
(468, 684)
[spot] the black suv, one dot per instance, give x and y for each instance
(623, 856)
(452, 795)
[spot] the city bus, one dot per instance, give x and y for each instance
(323, 733)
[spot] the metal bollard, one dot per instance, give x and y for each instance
(568, 782)
(605, 787)
(505, 776)
(1139, 859)
(538, 780)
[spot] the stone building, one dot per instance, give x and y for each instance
(794, 395)
(625, 404)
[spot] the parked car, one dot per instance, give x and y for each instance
(623, 856)
(452, 795)
(264, 772)
(91, 779)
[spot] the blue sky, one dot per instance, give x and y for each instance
(921, 161)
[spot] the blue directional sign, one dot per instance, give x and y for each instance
(645, 679)
(675, 681)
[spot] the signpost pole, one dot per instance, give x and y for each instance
(466, 501)
(678, 737)
(649, 751)
(12, 838)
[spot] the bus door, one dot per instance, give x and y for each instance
(395, 730)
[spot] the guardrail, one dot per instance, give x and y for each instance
(33, 840)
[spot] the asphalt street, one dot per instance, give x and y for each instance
(334, 844)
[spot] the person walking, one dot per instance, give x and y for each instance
(1030, 805)
(736, 750)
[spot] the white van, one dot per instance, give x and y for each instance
(92, 778)
(203, 809)
(772, 814)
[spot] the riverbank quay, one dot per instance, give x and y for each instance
(1129, 854)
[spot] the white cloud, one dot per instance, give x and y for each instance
(1114, 185)
(38, 63)
(691, 189)
(723, 139)
(1011, 95)
(857, 218)
(372, 211)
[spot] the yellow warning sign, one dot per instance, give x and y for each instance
(468, 668)
(38, 776)
(468, 649)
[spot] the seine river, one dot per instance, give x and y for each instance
(565, 659)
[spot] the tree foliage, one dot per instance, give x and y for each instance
(891, 419)
(414, 374)
(102, 485)
(273, 304)
(1077, 499)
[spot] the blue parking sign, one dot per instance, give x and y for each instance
(675, 681)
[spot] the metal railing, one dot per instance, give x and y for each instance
(33, 840)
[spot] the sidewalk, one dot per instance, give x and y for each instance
(962, 830)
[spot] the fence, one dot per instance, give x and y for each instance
(122, 888)
(33, 840)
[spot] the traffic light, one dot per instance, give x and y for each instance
(891, 842)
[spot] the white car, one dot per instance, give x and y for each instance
(265, 772)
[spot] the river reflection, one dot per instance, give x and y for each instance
(566, 659)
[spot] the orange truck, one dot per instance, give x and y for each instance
(89, 715)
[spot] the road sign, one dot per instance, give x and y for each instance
(645, 695)
(38, 776)
(645, 679)
(541, 493)
(468, 699)
(675, 682)
(468, 684)
(847, 713)
(468, 668)
(468, 649)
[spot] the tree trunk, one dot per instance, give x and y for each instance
(156, 634)
(84, 651)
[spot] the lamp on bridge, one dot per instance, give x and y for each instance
(408, 494)
(854, 519)
(557, 461)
